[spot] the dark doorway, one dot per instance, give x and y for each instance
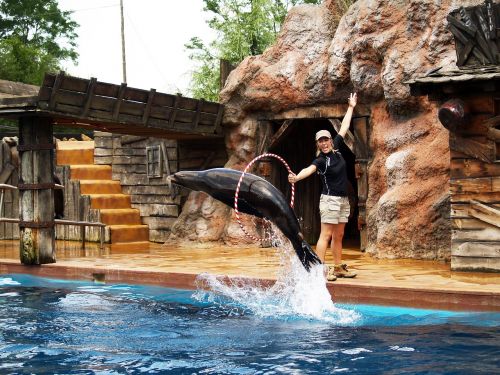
(298, 149)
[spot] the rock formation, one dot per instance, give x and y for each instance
(377, 46)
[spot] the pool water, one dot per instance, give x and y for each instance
(68, 327)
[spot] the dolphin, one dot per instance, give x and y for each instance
(257, 197)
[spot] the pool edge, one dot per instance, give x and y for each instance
(341, 292)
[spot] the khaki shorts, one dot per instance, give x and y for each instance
(334, 210)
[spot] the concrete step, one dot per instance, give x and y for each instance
(129, 233)
(100, 187)
(69, 157)
(75, 145)
(91, 172)
(99, 201)
(120, 216)
(75, 152)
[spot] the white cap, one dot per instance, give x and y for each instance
(323, 133)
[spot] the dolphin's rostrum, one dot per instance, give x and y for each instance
(257, 197)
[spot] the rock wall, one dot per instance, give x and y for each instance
(377, 46)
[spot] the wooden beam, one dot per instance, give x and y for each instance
(265, 130)
(17, 89)
(493, 134)
(478, 249)
(486, 233)
(483, 151)
(360, 127)
(6, 172)
(349, 137)
(321, 111)
(475, 185)
(173, 114)
(485, 197)
(36, 207)
(277, 138)
(55, 88)
(485, 213)
(218, 120)
(469, 168)
(198, 112)
(89, 96)
(119, 100)
(147, 109)
(166, 161)
(492, 122)
(128, 139)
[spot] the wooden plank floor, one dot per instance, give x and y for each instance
(399, 282)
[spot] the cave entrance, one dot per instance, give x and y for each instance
(293, 139)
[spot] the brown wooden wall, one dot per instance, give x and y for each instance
(152, 195)
(475, 188)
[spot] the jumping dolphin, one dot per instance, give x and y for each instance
(257, 197)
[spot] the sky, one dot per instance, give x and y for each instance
(155, 34)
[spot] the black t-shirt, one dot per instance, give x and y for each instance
(332, 169)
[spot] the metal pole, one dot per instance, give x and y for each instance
(124, 62)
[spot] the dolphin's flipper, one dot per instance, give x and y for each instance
(307, 256)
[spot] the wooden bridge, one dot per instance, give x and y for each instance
(86, 103)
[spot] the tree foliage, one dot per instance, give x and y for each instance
(244, 28)
(35, 36)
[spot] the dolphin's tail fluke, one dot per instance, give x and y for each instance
(307, 255)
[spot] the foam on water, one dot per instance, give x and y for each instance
(8, 281)
(296, 293)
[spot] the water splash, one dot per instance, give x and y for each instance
(297, 294)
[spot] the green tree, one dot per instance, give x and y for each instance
(35, 37)
(244, 28)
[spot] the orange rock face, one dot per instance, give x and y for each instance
(377, 46)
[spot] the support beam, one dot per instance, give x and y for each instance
(36, 194)
(349, 137)
(485, 213)
(280, 134)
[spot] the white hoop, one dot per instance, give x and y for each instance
(238, 191)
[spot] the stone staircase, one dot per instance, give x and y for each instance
(105, 194)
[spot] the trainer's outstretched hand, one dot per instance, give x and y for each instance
(353, 100)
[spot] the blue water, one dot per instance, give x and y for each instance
(68, 327)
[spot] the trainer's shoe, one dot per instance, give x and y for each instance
(330, 276)
(340, 270)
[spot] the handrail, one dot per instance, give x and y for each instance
(12, 187)
(82, 224)
(8, 187)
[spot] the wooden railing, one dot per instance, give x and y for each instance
(79, 223)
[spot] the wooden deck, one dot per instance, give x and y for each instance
(425, 284)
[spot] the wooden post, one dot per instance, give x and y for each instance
(225, 68)
(36, 194)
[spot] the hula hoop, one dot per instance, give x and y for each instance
(238, 191)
